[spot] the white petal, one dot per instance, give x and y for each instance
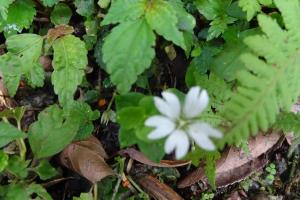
(200, 133)
(174, 103)
(196, 101)
(164, 126)
(163, 107)
(179, 141)
(207, 129)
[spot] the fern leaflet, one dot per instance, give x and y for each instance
(270, 82)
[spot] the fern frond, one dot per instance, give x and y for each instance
(271, 80)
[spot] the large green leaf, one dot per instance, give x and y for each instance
(29, 48)
(52, 132)
(70, 61)
(124, 10)
(9, 133)
(162, 18)
(20, 15)
(125, 65)
(4, 4)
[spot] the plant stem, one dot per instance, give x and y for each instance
(95, 191)
(21, 144)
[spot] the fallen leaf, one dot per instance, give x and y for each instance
(140, 157)
(59, 31)
(87, 159)
(235, 165)
(158, 190)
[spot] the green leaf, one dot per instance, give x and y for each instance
(251, 7)
(153, 150)
(9, 133)
(215, 11)
(10, 67)
(124, 10)
(103, 3)
(210, 158)
(15, 113)
(129, 99)
(127, 137)
(49, 3)
(20, 15)
(70, 61)
(84, 196)
(85, 8)
(86, 117)
(29, 48)
(18, 167)
(21, 191)
(45, 170)
(288, 122)
(61, 14)
(131, 117)
(52, 132)
(3, 8)
(125, 66)
(186, 21)
(204, 61)
(3, 160)
(227, 63)
(161, 17)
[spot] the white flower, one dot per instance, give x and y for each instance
(180, 123)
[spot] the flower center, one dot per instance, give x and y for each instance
(182, 123)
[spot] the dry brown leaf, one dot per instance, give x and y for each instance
(59, 31)
(140, 157)
(234, 165)
(158, 190)
(87, 159)
(5, 100)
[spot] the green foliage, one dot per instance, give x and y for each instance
(9, 133)
(3, 8)
(54, 130)
(18, 167)
(49, 3)
(22, 59)
(45, 170)
(251, 7)
(84, 196)
(86, 116)
(138, 19)
(137, 36)
(215, 11)
(269, 85)
(70, 61)
(19, 16)
(227, 63)
(162, 18)
(132, 110)
(197, 156)
(61, 14)
(85, 8)
(23, 191)
(271, 172)
(288, 122)
(3, 160)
